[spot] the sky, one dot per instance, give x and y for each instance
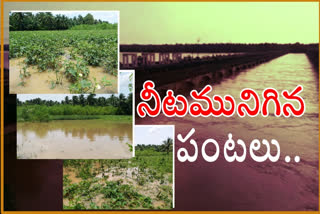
(152, 134)
(123, 78)
(209, 22)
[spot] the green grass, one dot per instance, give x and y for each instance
(42, 113)
(118, 118)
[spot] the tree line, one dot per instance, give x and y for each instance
(27, 21)
(166, 146)
(121, 102)
(219, 48)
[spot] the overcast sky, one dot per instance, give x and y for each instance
(124, 83)
(152, 134)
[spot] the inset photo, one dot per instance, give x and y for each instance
(63, 52)
(143, 182)
(76, 126)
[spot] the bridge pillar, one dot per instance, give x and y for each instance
(129, 60)
(176, 57)
(148, 58)
(164, 58)
(125, 60)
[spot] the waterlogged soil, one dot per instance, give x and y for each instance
(157, 190)
(74, 139)
(40, 82)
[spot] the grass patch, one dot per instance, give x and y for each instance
(43, 113)
(118, 118)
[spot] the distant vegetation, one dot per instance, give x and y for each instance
(143, 182)
(103, 26)
(219, 47)
(47, 21)
(79, 107)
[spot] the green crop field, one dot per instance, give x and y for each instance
(68, 54)
(143, 182)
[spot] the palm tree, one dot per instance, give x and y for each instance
(82, 100)
(66, 100)
(167, 145)
(91, 99)
(75, 100)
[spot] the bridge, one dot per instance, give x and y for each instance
(181, 68)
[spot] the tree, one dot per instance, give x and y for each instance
(16, 21)
(80, 20)
(101, 101)
(47, 21)
(66, 100)
(112, 100)
(167, 145)
(129, 104)
(75, 100)
(91, 100)
(82, 100)
(122, 108)
(88, 19)
(19, 103)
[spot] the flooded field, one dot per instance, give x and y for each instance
(143, 182)
(74, 139)
(284, 186)
(40, 82)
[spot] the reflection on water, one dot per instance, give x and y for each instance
(74, 139)
(284, 73)
(297, 136)
(287, 186)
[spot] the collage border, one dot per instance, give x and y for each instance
(126, 211)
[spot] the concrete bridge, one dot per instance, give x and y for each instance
(133, 60)
(183, 75)
(187, 74)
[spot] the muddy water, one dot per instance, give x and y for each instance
(74, 139)
(40, 82)
(251, 185)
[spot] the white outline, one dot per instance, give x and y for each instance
(118, 35)
(267, 105)
(146, 100)
(173, 156)
(297, 94)
(251, 97)
(133, 104)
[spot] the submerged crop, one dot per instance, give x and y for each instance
(69, 54)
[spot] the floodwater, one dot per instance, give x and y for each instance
(251, 185)
(74, 139)
(40, 82)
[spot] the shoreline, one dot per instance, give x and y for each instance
(108, 118)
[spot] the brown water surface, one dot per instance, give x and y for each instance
(74, 139)
(40, 82)
(251, 185)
